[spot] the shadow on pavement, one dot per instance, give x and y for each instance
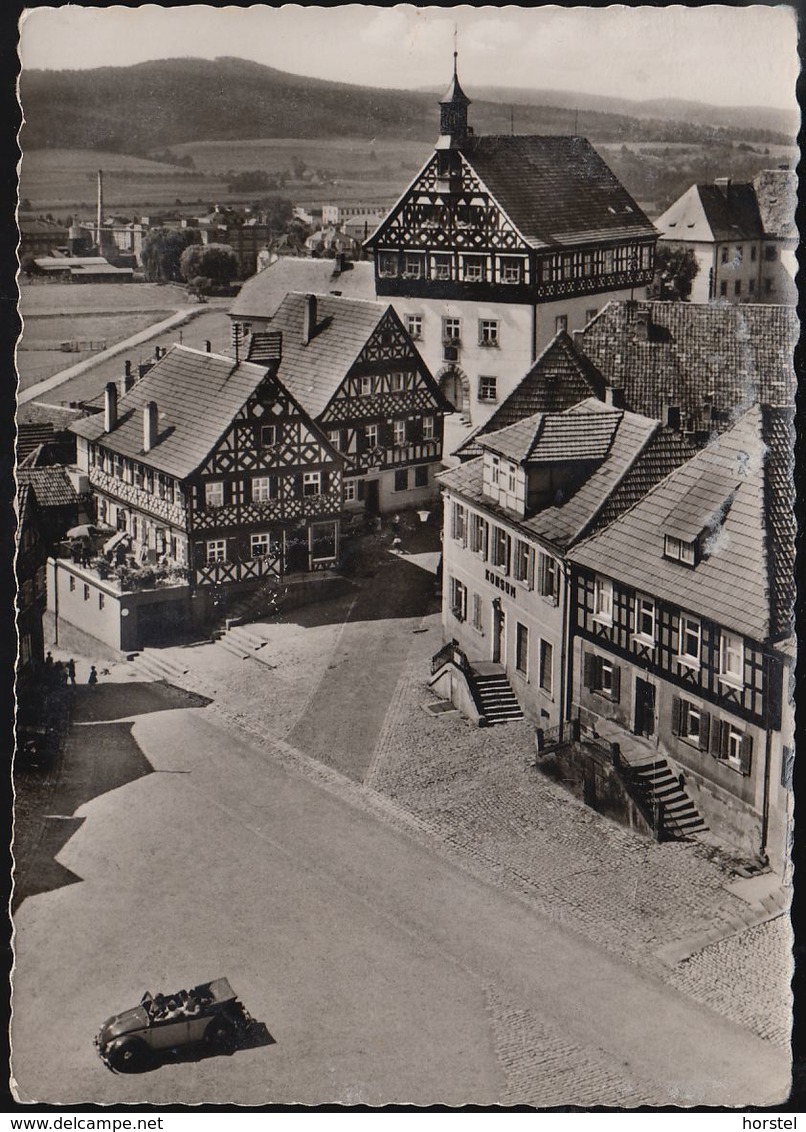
(257, 1036)
(122, 701)
(94, 760)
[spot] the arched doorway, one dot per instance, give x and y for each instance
(455, 388)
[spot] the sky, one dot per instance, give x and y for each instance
(719, 54)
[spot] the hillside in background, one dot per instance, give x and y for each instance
(149, 106)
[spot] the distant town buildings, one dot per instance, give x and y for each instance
(743, 235)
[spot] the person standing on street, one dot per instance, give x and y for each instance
(71, 670)
(92, 679)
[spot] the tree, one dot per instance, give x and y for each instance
(200, 287)
(278, 211)
(162, 250)
(676, 269)
(217, 262)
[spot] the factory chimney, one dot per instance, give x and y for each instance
(99, 235)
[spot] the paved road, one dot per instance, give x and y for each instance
(382, 972)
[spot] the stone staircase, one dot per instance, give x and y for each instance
(243, 642)
(497, 700)
(658, 791)
(158, 666)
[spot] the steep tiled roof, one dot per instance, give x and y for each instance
(732, 212)
(51, 486)
(312, 373)
(556, 190)
(697, 356)
(261, 295)
(544, 438)
(40, 413)
(197, 396)
(776, 195)
(564, 523)
(559, 378)
(31, 437)
(730, 583)
(665, 451)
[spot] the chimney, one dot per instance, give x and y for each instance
(338, 263)
(236, 335)
(110, 407)
(127, 368)
(149, 425)
(671, 417)
(723, 184)
(642, 321)
(614, 396)
(308, 319)
(100, 215)
(208, 345)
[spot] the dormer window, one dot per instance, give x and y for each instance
(680, 550)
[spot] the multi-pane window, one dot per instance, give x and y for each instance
(458, 596)
(264, 544)
(311, 483)
(397, 381)
(334, 436)
(512, 478)
(546, 664)
(399, 432)
(479, 532)
(473, 269)
(548, 577)
(217, 550)
(428, 428)
(645, 618)
(495, 471)
(488, 332)
(488, 389)
(86, 592)
(724, 256)
(451, 329)
(262, 489)
(441, 266)
(387, 264)
(524, 563)
(560, 323)
(402, 479)
(413, 265)
(366, 385)
(476, 614)
(214, 494)
(501, 549)
(371, 435)
(511, 270)
(690, 638)
(350, 493)
(603, 600)
(414, 325)
(601, 675)
(730, 743)
(268, 435)
(731, 658)
(323, 542)
(459, 523)
(680, 550)
(522, 649)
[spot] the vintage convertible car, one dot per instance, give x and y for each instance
(209, 1014)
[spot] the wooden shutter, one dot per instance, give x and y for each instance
(616, 684)
(677, 713)
(746, 754)
(705, 728)
(716, 738)
(589, 670)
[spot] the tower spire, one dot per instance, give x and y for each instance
(453, 106)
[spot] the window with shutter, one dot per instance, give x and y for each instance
(705, 727)
(745, 754)
(589, 670)
(615, 694)
(677, 707)
(716, 738)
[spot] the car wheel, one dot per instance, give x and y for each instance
(221, 1035)
(129, 1057)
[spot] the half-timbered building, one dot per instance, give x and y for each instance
(355, 370)
(511, 515)
(211, 471)
(498, 243)
(682, 627)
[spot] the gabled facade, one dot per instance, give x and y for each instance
(355, 370)
(511, 516)
(743, 236)
(498, 243)
(214, 477)
(681, 631)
